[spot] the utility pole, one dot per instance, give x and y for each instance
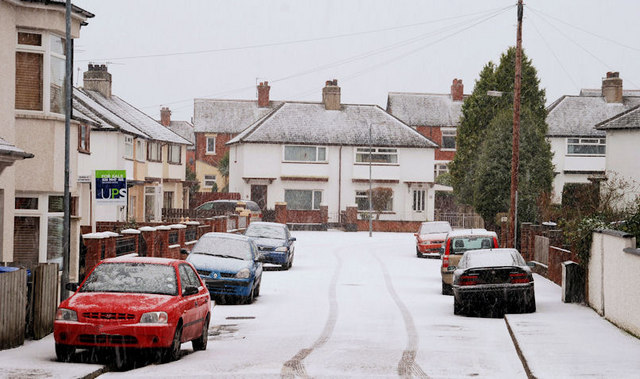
(515, 153)
(66, 228)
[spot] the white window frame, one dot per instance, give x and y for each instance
(140, 150)
(314, 194)
(171, 152)
(449, 132)
(439, 169)
(588, 141)
(209, 151)
(419, 200)
(209, 180)
(128, 147)
(45, 50)
(361, 155)
(43, 215)
(318, 149)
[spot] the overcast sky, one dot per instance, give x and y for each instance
(166, 53)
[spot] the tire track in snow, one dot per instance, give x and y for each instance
(294, 366)
(407, 367)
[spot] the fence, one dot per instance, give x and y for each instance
(27, 304)
(461, 220)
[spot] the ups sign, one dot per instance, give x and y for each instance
(111, 186)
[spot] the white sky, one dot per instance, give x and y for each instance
(572, 43)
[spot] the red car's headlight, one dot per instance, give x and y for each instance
(64, 314)
(154, 318)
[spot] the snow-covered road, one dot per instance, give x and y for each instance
(350, 306)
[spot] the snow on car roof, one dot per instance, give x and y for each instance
(490, 258)
(471, 232)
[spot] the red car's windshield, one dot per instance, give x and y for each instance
(132, 278)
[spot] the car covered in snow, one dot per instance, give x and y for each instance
(274, 241)
(456, 244)
(430, 237)
(135, 302)
(226, 207)
(229, 264)
(498, 279)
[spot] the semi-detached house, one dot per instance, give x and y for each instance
(312, 154)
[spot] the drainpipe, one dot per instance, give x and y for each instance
(339, 181)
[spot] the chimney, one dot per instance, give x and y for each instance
(331, 95)
(457, 90)
(612, 88)
(263, 94)
(98, 79)
(165, 116)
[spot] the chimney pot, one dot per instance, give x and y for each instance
(98, 78)
(263, 94)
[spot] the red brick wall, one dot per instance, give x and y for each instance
(434, 133)
(221, 148)
(390, 226)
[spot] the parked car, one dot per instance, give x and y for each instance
(495, 278)
(135, 302)
(225, 207)
(229, 264)
(430, 237)
(274, 241)
(456, 244)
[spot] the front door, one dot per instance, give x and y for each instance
(259, 195)
(419, 204)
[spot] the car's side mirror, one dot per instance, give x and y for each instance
(184, 251)
(71, 287)
(415, 234)
(292, 239)
(531, 264)
(189, 290)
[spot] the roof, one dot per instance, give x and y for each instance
(184, 129)
(9, 150)
(227, 116)
(311, 124)
(114, 112)
(425, 109)
(62, 4)
(578, 115)
(629, 119)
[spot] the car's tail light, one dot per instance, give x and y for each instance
(468, 280)
(519, 277)
(445, 261)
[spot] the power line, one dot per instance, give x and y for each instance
(237, 48)
(370, 53)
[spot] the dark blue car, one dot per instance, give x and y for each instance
(229, 265)
(274, 241)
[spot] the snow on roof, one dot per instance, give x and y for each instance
(130, 116)
(578, 115)
(85, 114)
(227, 116)
(184, 129)
(7, 148)
(626, 120)
(82, 98)
(425, 109)
(311, 123)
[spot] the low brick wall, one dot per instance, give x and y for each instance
(389, 226)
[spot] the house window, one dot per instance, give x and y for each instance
(209, 180)
(362, 201)
(448, 139)
(173, 155)
(440, 169)
(168, 199)
(40, 72)
(303, 199)
(378, 155)
(83, 138)
(419, 200)
(211, 145)
(128, 147)
(586, 146)
(139, 150)
(154, 151)
(305, 154)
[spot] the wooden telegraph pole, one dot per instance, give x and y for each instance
(515, 153)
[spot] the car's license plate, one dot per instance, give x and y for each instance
(451, 268)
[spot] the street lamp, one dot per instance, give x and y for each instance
(370, 189)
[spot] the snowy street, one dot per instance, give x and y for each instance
(358, 306)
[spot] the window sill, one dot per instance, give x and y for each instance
(375, 164)
(175, 163)
(210, 153)
(87, 152)
(306, 162)
(39, 115)
(587, 155)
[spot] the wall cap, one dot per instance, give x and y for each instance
(615, 233)
(163, 227)
(130, 231)
(178, 226)
(147, 229)
(100, 235)
(631, 250)
(192, 223)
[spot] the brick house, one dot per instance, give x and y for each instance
(185, 130)
(435, 116)
(216, 122)
(32, 120)
(311, 155)
(579, 148)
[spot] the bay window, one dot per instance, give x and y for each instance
(586, 146)
(173, 155)
(303, 199)
(154, 151)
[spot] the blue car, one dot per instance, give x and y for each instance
(229, 265)
(274, 241)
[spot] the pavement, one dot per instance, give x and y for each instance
(558, 341)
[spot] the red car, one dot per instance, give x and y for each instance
(430, 238)
(135, 302)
